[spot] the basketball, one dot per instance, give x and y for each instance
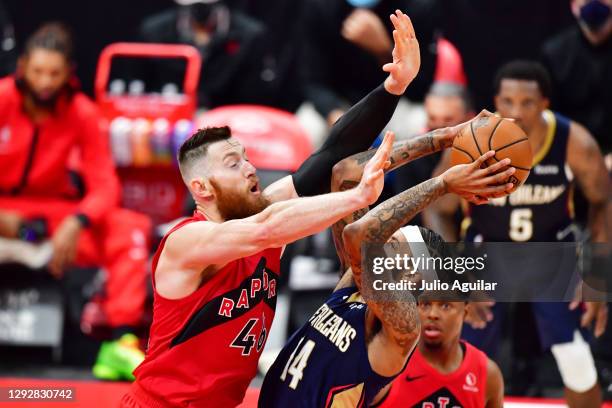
(501, 135)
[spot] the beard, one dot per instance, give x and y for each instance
(48, 102)
(433, 344)
(233, 205)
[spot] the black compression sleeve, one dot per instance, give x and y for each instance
(354, 132)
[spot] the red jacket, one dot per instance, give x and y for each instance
(34, 158)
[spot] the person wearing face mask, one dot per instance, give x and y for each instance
(230, 42)
(44, 121)
(580, 62)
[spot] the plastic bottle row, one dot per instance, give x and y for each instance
(143, 142)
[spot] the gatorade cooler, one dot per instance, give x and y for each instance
(144, 128)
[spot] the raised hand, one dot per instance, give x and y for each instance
(364, 29)
(406, 55)
(477, 184)
(373, 178)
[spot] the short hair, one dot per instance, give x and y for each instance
(196, 146)
(451, 89)
(54, 37)
(526, 71)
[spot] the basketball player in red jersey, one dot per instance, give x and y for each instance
(445, 371)
(215, 274)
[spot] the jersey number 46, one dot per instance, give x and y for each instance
(247, 337)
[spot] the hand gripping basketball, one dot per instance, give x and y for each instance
(488, 132)
(477, 183)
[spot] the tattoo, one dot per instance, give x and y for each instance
(394, 242)
(408, 149)
(401, 317)
(363, 157)
(338, 227)
(385, 219)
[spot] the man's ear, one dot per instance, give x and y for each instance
(202, 188)
(545, 103)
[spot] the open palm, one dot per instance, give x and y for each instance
(406, 55)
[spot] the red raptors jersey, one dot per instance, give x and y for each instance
(203, 349)
(422, 386)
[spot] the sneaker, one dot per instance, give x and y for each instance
(117, 359)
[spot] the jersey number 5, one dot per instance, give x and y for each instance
(521, 226)
(296, 363)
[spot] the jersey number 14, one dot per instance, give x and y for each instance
(296, 363)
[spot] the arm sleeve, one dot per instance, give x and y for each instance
(97, 169)
(353, 133)
(316, 74)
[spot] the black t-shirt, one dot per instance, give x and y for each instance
(490, 33)
(582, 81)
(231, 61)
(338, 73)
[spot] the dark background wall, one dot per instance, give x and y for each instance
(94, 23)
(486, 32)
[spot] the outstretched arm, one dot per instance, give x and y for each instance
(199, 249)
(357, 129)
(380, 223)
(346, 173)
(404, 151)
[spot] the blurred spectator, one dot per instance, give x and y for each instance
(348, 41)
(580, 62)
(231, 44)
(283, 40)
(446, 104)
(490, 33)
(44, 119)
(8, 54)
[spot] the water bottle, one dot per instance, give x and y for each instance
(142, 153)
(160, 141)
(136, 87)
(117, 87)
(120, 130)
(182, 132)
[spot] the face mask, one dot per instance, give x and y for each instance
(594, 14)
(364, 3)
(202, 12)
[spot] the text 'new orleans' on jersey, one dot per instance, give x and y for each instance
(539, 210)
(325, 363)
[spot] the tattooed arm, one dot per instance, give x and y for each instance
(403, 152)
(378, 225)
(390, 346)
(347, 173)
